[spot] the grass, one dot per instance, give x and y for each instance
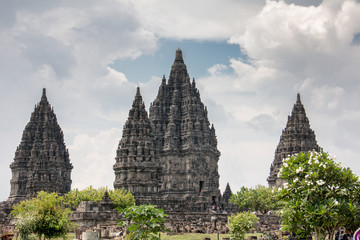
(199, 236)
(163, 236)
(69, 236)
(193, 236)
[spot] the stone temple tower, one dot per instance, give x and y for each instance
(41, 160)
(295, 138)
(137, 166)
(173, 154)
(185, 141)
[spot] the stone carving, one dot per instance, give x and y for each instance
(172, 155)
(41, 160)
(137, 166)
(227, 194)
(295, 138)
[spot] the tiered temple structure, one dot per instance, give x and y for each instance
(227, 194)
(173, 155)
(295, 138)
(137, 167)
(41, 160)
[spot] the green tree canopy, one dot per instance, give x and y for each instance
(320, 196)
(241, 223)
(44, 215)
(144, 221)
(260, 198)
(120, 197)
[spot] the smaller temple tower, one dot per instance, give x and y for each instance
(295, 138)
(137, 166)
(227, 194)
(41, 160)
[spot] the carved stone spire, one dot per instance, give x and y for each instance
(178, 56)
(137, 168)
(295, 138)
(41, 160)
(227, 194)
(184, 137)
(106, 204)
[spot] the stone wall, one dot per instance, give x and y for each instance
(268, 223)
(90, 216)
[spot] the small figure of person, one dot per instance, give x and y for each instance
(337, 235)
(7, 235)
(347, 235)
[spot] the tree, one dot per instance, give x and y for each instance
(144, 221)
(43, 215)
(241, 223)
(260, 199)
(320, 196)
(120, 197)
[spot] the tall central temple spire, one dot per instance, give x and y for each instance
(184, 143)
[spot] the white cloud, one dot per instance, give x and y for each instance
(67, 46)
(93, 158)
(292, 48)
(327, 97)
(202, 20)
(217, 69)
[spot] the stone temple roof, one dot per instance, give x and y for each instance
(295, 138)
(41, 160)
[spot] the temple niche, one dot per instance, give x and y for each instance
(295, 138)
(41, 160)
(170, 156)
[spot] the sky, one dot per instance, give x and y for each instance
(249, 59)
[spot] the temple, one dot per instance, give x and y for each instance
(41, 160)
(170, 158)
(295, 138)
(137, 166)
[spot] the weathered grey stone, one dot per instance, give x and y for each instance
(90, 236)
(41, 160)
(170, 159)
(137, 166)
(295, 138)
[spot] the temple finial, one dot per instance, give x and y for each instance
(178, 56)
(298, 100)
(138, 91)
(43, 97)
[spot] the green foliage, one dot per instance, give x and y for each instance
(144, 221)
(320, 196)
(120, 197)
(241, 223)
(260, 198)
(43, 215)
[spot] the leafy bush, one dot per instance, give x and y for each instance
(144, 222)
(256, 199)
(241, 223)
(120, 197)
(44, 215)
(320, 196)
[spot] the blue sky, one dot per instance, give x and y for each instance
(200, 56)
(249, 60)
